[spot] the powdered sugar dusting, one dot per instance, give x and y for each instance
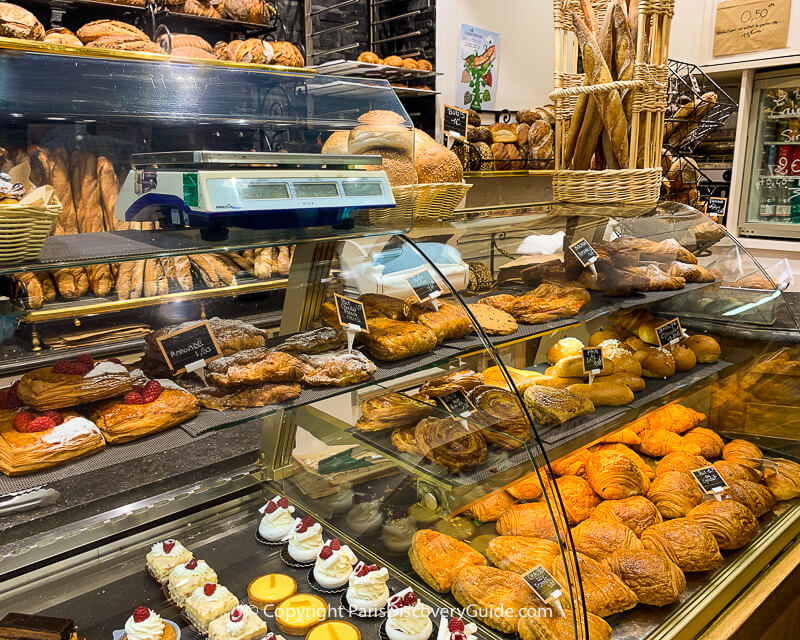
(170, 384)
(106, 368)
(70, 430)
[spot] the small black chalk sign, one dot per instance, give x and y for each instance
(592, 359)
(543, 584)
(583, 251)
(424, 286)
(454, 122)
(351, 313)
(189, 345)
(709, 479)
(669, 332)
(457, 403)
(716, 206)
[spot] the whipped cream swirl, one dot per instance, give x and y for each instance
(150, 629)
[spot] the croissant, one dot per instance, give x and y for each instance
(528, 488)
(680, 461)
(628, 453)
(625, 435)
(755, 497)
(784, 482)
(571, 465)
(615, 476)
(578, 498)
(497, 596)
(709, 442)
(637, 513)
(675, 494)
(605, 593)
(672, 417)
(743, 452)
(598, 539)
(734, 471)
(530, 519)
(660, 442)
(448, 443)
(551, 625)
(732, 524)
(437, 558)
(520, 554)
(490, 508)
(686, 542)
(651, 575)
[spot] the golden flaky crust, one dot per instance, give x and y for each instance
(598, 539)
(338, 368)
(221, 398)
(680, 461)
(545, 303)
(392, 410)
(491, 507)
(553, 626)
(527, 488)
(231, 335)
(709, 442)
(604, 592)
(675, 494)
(755, 497)
(520, 554)
(743, 452)
(637, 513)
(437, 558)
(530, 519)
(42, 389)
(686, 542)
(392, 340)
(500, 595)
(464, 381)
(578, 497)
(629, 453)
(732, 524)
(672, 417)
(120, 422)
(651, 575)
(448, 323)
(448, 443)
(256, 366)
(615, 476)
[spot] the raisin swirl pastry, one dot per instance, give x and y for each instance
(615, 476)
(464, 381)
(393, 410)
(637, 513)
(651, 575)
(605, 593)
(732, 524)
(500, 412)
(675, 494)
(755, 497)
(448, 443)
(403, 439)
(686, 542)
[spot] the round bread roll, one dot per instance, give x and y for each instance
(572, 367)
(634, 383)
(613, 344)
(637, 344)
(435, 163)
(502, 132)
(706, 349)
(424, 65)
(62, 35)
(368, 56)
(398, 167)
(393, 61)
(624, 361)
(608, 333)
(564, 348)
(337, 142)
(647, 330)
(656, 363)
(381, 136)
(684, 357)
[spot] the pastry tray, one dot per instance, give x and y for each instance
(356, 69)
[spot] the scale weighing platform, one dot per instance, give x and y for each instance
(251, 190)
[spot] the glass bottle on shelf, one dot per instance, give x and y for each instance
(783, 207)
(766, 211)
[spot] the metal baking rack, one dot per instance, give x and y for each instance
(356, 69)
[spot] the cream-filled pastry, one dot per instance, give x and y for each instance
(365, 516)
(407, 617)
(240, 623)
(305, 539)
(398, 531)
(146, 624)
(185, 578)
(164, 557)
(334, 565)
(207, 603)
(277, 519)
(449, 628)
(367, 591)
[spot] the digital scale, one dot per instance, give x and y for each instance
(251, 190)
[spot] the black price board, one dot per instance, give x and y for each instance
(186, 346)
(669, 332)
(716, 206)
(351, 313)
(583, 251)
(454, 122)
(457, 403)
(424, 286)
(592, 359)
(543, 584)
(709, 479)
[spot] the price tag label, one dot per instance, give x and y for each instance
(351, 314)
(670, 333)
(584, 252)
(742, 26)
(716, 206)
(709, 480)
(424, 286)
(454, 122)
(592, 360)
(457, 403)
(189, 348)
(544, 585)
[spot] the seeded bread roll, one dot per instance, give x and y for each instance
(435, 163)
(398, 167)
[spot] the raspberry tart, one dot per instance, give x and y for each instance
(185, 578)
(145, 409)
(207, 603)
(240, 623)
(277, 520)
(408, 618)
(367, 592)
(334, 565)
(305, 540)
(164, 557)
(32, 441)
(146, 624)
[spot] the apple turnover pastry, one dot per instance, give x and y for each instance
(732, 524)
(520, 554)
(392, 340)
(448, 322)
(448, 443)
(491, 507)
(651, 575)
(437, 558)
(605, 593)
(686, 542)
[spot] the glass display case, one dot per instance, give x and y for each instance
(409, 406)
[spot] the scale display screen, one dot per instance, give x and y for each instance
(316, 190)
(264, 191)
(361, 189)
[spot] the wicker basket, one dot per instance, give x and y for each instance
(419, 203)
(639, 182)
(23, 229)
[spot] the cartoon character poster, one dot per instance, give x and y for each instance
(477, 73)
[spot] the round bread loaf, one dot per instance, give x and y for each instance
(526, 116)
(522, 133)
(192, 52)
(609, 333)
(684, 357)
(286, 54)
(221, 50)
(201, 8)
(370, 57)
(706, 349)
(502, 132)
(381, 136)
(336, 142)
(564, 348)
(16, 22)
(507, 157)
(183, 40)
(487, 157)
(254, 51)
(91, 31)
(647, 330)
(124, 43)
(245, 10)
(381, 116)
(393, 61)
(435, 163)
(62, 36)
(233, 47)
(656, 363)
(398, 166)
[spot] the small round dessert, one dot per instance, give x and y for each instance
(456, 629)
(146, 623)
(334, 630)
(407, 618)
(367, 592)
(334, 565)
(341, 501)
(365, 516)
(297, 614)
(277, 520)
(397, 532)
(305, 540)
(266, 592)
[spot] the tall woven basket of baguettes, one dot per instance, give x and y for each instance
(610, 119)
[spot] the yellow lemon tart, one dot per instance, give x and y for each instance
(265, 592)
(334, 630)
(297, 614)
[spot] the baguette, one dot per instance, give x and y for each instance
(224, 272)
(183, 272)
(76, 166)
(137, 279)
(31, 289)
(41, 166)
(67, 220)
(90, 197)
(81, 280)
(124, 276)
(624, 56)
(169, 269)
(150, 277)
(101, 279)
(207, 271)
(284, 261)
(109, 190)
(589, 16)
(678, 130)
(263, 264)
(66, 283)
(48, 286)
(609, 103)
(243, 263)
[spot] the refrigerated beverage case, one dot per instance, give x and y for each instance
(770, 160)
(795, 200)
(783, 208)
(795, 167)
(766, 208)
(783, 164)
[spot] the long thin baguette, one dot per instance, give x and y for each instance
(109, 190)
(66, 284)
(589, 16)
(81, 280)
(67, 221)
(124, 276)
(34, 296)
(101, 279)
(76, 167)
(263, 264)
(169, 269)
(137, 279)
(224, 272)
(183, 272)
(680, 127)
(624, 56)
(207, 271)
(90, 197)
(48, 286)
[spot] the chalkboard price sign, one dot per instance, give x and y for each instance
(543, 584)
(424, 286)
(583, 251)
(709, 479)
(457, 403)
(351, 313)
(454, 122)
(669, 333)
(716, 206)
(195, 343)
(592, 359)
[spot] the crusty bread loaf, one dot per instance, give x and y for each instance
(107, 180)
(507, 156)
(63, 36)
(368, 137)
(181, 40)
(604, 393)
(192, 52)
(125, 43)
(91, 31)
(502, 132)
(435, 163)
(398, 167)
(16, 22)
(200, 8)
(255, 51)
(336, 142)
(381, 116)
